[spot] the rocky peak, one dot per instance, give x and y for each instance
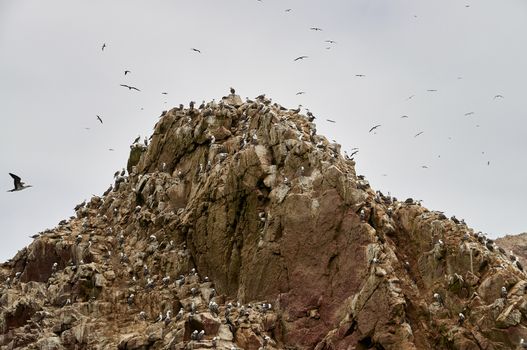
(238, 227)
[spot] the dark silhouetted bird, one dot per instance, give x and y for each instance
(300, 58)
(130, 87)
(99, 118)
(375, 127)
(126, 72)
(195, 50)
(103, 46)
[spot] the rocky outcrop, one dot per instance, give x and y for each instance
(238, 226)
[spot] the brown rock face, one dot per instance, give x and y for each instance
(239, 227)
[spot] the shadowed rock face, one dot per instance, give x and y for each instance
(290, 250)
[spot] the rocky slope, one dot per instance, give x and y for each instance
(238, 227)
(515, 245)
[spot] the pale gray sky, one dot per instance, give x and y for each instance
(54, 80)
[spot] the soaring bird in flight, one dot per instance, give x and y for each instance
(164, 93)
(19, 185)
(360, 75)
(130, 87)
(300, 58)
(195, 50)
(316, 28)
(375, 127)
(469, 113)
(300, 93)
(330, 120)
(431, 90)
(498, 96)
(99, 118)
(127, 71)
(103, 46)
(331, 41)
(419, 133)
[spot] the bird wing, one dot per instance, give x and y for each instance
(126, 86)
(17, 180)
(419, 133)
(99, 118)
(134, 88)
(375, 127)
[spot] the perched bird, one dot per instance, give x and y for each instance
(127, 71)
(99, 118)
(19, 185)
(503, 292)
(195, 50)
(232, 91)
(130, 87)
(375, 127)
(461, 319)
(523, 344)
(300, 58)
(438, 298)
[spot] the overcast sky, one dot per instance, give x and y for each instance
(55, 79)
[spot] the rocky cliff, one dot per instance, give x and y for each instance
(238, 227)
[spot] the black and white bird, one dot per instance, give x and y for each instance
(19, 185)
(461, 319)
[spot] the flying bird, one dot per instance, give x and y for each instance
(330, 120)
(404, 116)
(375, 127)
(360, 75)
(330, 41)
(130, 87)
(19, 185)
(424, 166)
(410, 97)
(164, 93)
(469, 113)
(127, 71)
(300, 93)
(196, 50)
(287, 10)
(419, 133)
(316, 28)
(99, 118)
(498, 96)
(300, 58)
(103, 46)
(431, 90)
